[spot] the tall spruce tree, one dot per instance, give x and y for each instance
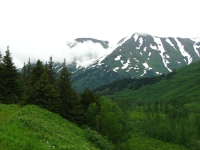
(52, 74)
(88, 97)
(37, 71)
(10, 77)
(29, 67)
(45, 95)
(26, 78)
(69, 97)
(35, 74)
(24, 71)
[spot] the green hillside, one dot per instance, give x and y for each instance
(183, 85)
(31, 127)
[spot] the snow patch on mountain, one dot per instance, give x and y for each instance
(145, 71)
(196, 40)
(183, 52)
(115, 69)
(129, 69)
(170, 43)
(135, 59)
(126, 64)
(146, 66)
(103, 57)
(56, 66)
(141, 42)
(60, 69)
(158, 73)
(162, 51)
(77, 65)
(153, 47)
(118, 57)
(125, 39)
(135, 37)
(145, 49)
(167, 56)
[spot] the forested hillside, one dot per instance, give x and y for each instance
(41, 86)
(181, 84)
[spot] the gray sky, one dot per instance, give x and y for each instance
(40, 28)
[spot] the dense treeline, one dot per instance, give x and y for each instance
(131, 83)
(171, 123)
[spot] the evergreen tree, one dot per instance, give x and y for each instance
(33, 75)
(88, 97)
(10, 77)
(28, 71)
(64, 86)
(37, 71)
(44, 95)
(51, 73)
(27, 83)
(69, 97)
(24, 72)
(28, 68)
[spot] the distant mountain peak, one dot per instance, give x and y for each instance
(141, 33)
(71, 44)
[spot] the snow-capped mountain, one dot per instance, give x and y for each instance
(138, 55)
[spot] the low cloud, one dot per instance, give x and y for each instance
(82, 54)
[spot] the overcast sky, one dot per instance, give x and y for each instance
(40, 28)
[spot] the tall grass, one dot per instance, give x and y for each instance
(31, 128)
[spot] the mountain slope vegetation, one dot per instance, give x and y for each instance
(31, 127)
(183, 85)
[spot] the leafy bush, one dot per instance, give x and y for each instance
(98, 139)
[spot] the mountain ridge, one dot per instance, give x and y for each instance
(139, 55)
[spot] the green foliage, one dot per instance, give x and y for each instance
(37, 71)
(31, 127)
(9, 80)
(44, 95)
(98, 139)
(142, 142)
(127, 83)
(50, 71)
(177, 125)
(90, 115)
(110, 120)
(184, 86)
(106, 118)
(88, 97)
(72, 106)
